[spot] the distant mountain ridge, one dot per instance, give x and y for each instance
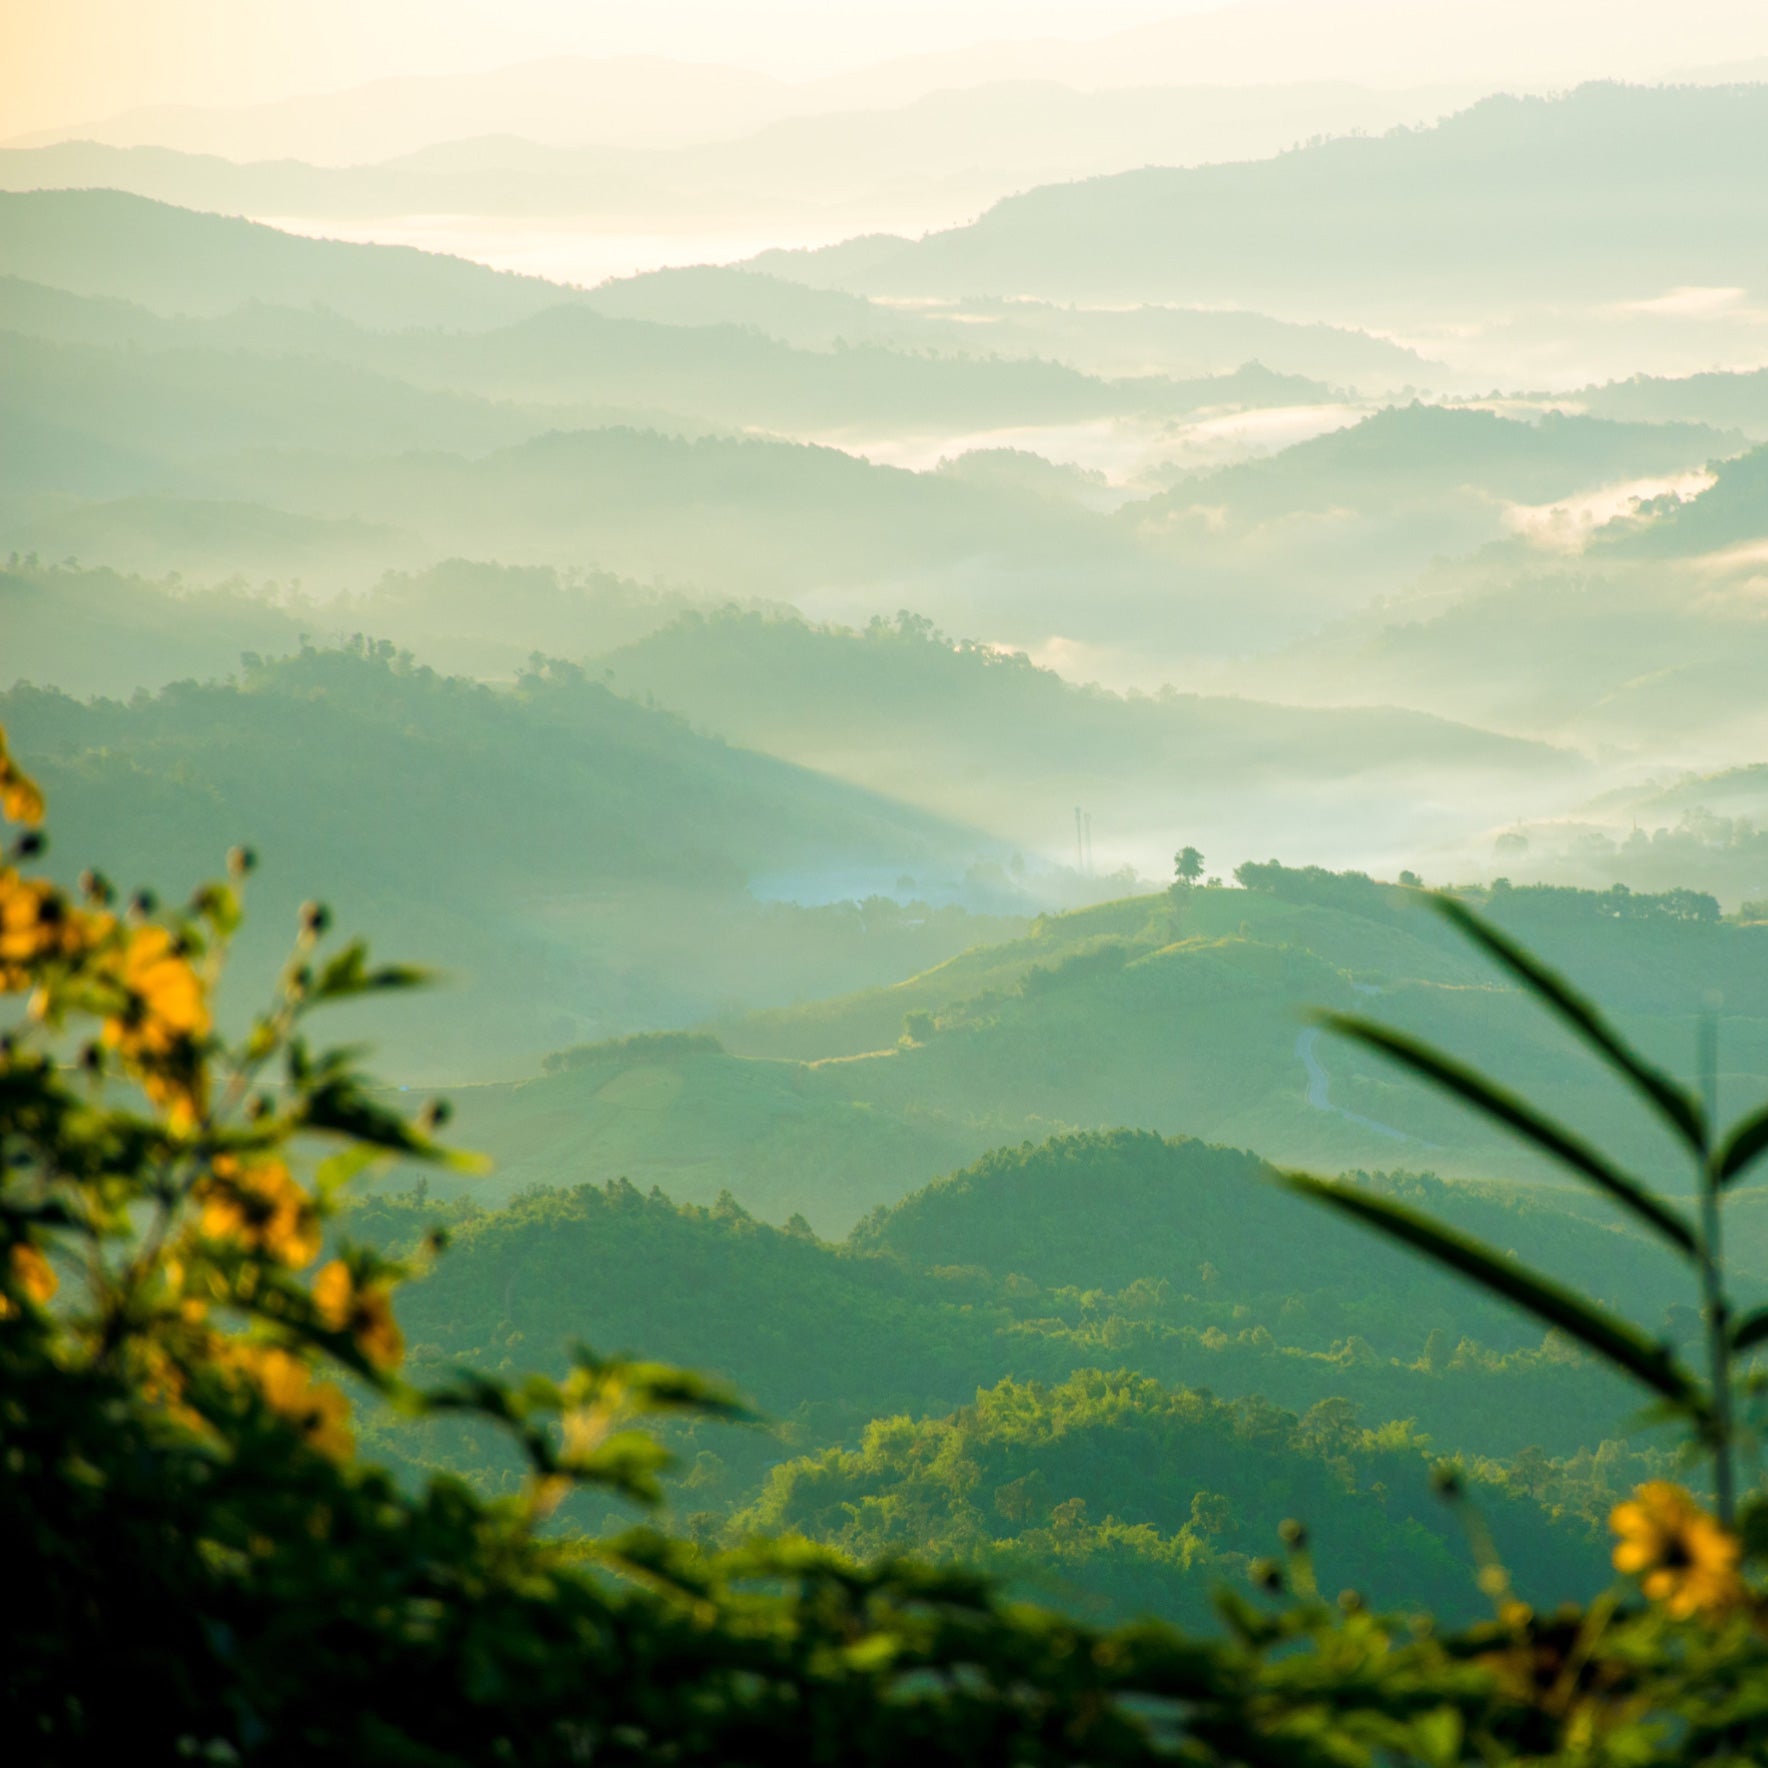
(1611, 175)
(990, 739)
(940, 156)
(108, 243)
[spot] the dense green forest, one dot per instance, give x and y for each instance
(1019, 1285)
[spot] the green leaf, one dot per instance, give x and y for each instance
(653, 1387)
(1742, 1145)
(1517, 1115)
(348, 974)
(1750, 1330)
(218, 904)
(1615, 1340)
(628, 1462)
(1752, 1527)
(338, 1105)
(1674, 1103)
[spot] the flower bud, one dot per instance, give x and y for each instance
(1293, 1534)
(241, 861)
(315, 917)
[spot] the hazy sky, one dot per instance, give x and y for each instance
(63, 61)
(66, 61)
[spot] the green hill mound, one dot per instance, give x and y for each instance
(1183, 1014)
(1102, 1211)
(826, 1337)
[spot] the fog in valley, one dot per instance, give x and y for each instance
(1247, 463)
(919, 614)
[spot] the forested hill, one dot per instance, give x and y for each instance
(1102, 1210)
(622, 792)
(981, 734)
(824, 1336)
(1224, 1307)
(542, 841)
(783, 683)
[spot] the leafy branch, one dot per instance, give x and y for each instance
(1705, 1400)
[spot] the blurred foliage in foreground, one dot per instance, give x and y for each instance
(200, 1568)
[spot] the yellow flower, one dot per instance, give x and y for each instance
(163, 1384)
(262, 1208)
(166, 1007)
(164, 1016)
(20, 801)
(35, 924)
(1682, 1556)
(364, 1311)
(316, 1408)
(32, 1275)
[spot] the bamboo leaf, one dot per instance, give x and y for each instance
(1750, 1330)
(1517, 1115)
(1746, 1141)
(1673, 1102)
(348, 974)
(1615, 1340)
